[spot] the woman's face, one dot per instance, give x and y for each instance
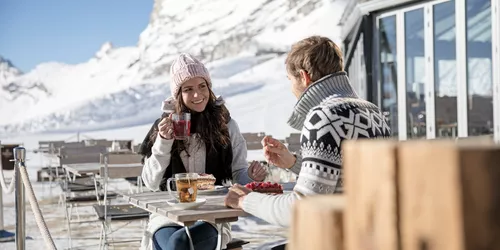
(195, 94)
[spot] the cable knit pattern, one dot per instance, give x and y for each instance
(327, 113)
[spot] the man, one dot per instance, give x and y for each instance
(328, 112)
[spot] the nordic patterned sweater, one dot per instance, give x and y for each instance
(328, 112)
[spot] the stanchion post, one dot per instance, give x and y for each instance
(20, 159)
(1, 194)
(1, 207)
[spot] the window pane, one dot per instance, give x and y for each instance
(388, 73)
(415, 73)
(479, 68)
(445, 74)
(357, 70)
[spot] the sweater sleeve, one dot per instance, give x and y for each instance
(275, 209)
(297, 165)
(239, 146)
(319, 173)
(157, 163)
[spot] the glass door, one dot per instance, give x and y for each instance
(445, 69)
(435, 70)
(415, 73)
(388, 70)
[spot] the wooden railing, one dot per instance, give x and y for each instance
(414, 195)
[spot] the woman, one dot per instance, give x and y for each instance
(215, 146)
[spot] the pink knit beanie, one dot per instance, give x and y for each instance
(184, 68)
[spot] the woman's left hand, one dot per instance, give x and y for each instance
(256, 171)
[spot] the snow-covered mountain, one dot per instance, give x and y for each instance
(8, 71)
(12, 90)
(123, 86)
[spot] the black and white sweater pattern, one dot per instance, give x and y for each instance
(327, 113)
(334, 113)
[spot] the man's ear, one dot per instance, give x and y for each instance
(305, 78)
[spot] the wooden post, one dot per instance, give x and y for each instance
(370, 187)
(450, 195)
(317, 223)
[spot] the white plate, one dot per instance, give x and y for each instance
(188, 205)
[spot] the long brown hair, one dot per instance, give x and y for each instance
(210, 124)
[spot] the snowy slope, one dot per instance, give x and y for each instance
(64, 85)
(141, 104)
(214, 29)
(123, 86)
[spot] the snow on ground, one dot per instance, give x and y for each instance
(322, 21)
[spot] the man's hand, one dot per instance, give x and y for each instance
(256, 171)
(235, 196)
(277, 154)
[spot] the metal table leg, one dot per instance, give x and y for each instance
(191, 247)
(219, 236)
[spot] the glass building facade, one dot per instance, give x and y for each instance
(431, 66)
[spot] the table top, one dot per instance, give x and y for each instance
(213, 210)
(83, 168)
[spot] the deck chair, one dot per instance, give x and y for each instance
(136, 148)
(254, 140)
(121, 145)
(78, 144)
(80, 155)
(50, 166)
(82, 191)
(85, 188)
(45, 147)
(118, 165)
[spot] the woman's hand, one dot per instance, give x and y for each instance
(277, 153)
(256, 171)
(165, 128)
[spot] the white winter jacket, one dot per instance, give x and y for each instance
(155, 166)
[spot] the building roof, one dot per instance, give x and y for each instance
(357, 8)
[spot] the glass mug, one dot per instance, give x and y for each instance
(185, 184)
(181, 125)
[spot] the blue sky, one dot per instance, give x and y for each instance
(69, 31)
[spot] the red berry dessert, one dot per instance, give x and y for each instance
(206, 182)
(265, 187)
